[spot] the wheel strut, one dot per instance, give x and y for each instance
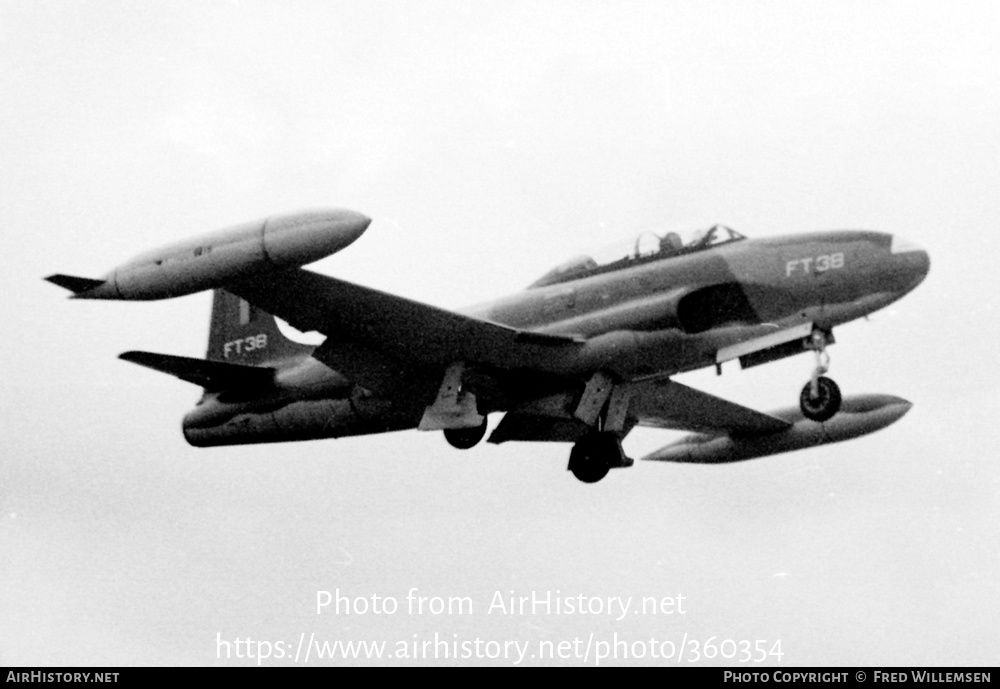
(820, 399)
(818, 345)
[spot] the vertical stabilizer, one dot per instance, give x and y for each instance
(241, 333)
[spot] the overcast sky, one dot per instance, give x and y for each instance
(491, 141)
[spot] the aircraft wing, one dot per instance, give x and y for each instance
(655, 404)
(396, 329)
(671, 405)
(402, 329)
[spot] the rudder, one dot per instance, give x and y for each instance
(241, 333)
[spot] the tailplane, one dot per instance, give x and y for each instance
(241, 333)
(211, 375)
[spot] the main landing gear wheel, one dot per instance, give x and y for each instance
(594, 455)
(820, 400)
(465, 438)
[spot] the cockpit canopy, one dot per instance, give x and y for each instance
(645, 248)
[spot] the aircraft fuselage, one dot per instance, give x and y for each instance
(650, 316)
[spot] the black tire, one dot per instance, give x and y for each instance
(465, 438)
(825, 406)
(590, 460)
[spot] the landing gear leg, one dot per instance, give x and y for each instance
(820, 398)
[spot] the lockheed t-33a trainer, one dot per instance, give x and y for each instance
(582, 356)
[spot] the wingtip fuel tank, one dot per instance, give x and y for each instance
(211, 260)
(859, 415)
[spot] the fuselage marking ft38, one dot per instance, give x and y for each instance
(245, 344)
(821, 263)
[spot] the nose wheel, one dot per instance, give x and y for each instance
(820, 399)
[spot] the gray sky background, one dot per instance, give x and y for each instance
(490, 141)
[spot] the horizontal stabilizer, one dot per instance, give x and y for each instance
(74, 284)
(211, 375)
(859, 415)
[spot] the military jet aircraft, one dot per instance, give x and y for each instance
(583, 355)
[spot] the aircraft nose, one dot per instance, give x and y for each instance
(911, 259)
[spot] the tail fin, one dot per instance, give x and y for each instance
(241, 333)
